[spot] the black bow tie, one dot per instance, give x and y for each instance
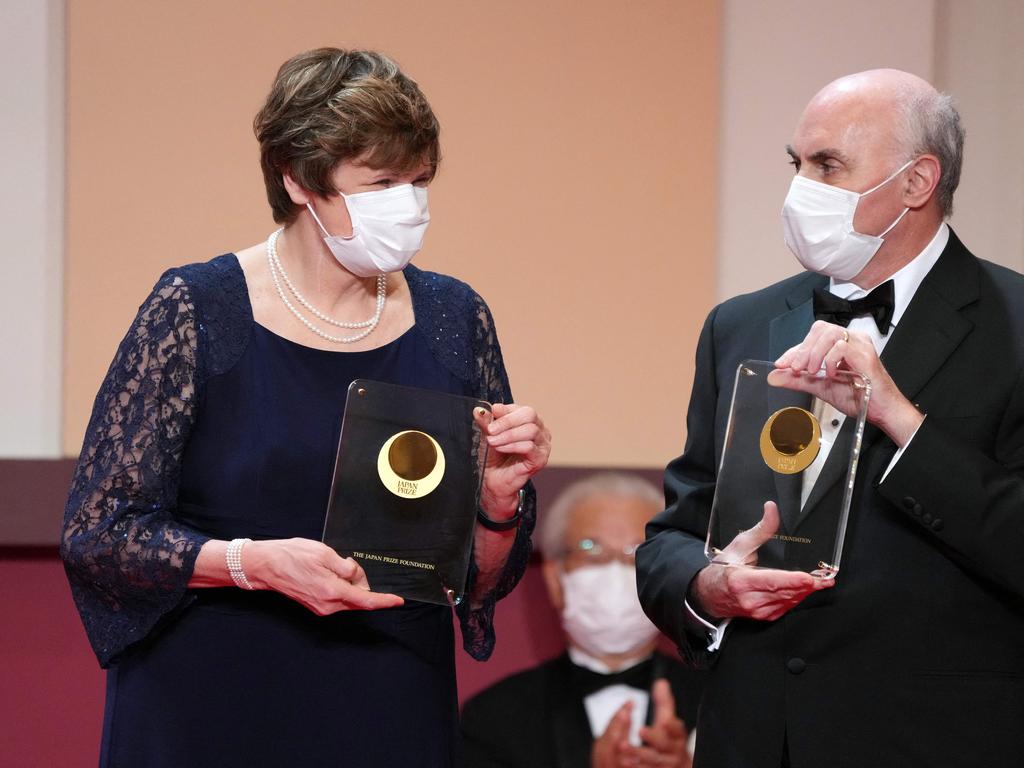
(587, 681)
(879, 304)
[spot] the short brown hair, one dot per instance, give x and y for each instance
(330, 105)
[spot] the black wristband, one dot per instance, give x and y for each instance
(503, 525)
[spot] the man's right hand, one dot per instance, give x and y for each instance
(730, 588)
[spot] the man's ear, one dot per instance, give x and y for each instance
(922, 181)
(551, 571)
(296, 192)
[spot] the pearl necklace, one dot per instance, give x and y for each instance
(276, 266)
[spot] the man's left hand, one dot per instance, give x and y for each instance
(834, 349)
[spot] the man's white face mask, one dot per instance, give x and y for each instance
(817, 224)
(601, 612)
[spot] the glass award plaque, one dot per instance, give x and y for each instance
(406, 487)
(774, 452)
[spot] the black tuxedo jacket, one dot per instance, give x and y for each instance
(536, 718)
(916, 656)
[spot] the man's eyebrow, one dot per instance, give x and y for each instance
(829, 153)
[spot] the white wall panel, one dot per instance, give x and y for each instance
(979, 61)
(775, 57)
(32, 223)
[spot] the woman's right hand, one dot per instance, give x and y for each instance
(313, 574)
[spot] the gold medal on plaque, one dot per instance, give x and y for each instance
(790, 440)
(410, 464)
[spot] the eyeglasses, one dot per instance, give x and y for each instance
(594, 552)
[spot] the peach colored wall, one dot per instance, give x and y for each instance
(577, 192)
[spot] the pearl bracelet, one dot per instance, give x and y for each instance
(233, 555)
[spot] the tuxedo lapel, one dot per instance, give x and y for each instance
(787, 331)
(928, 333)
(569, 727)
(932, 327)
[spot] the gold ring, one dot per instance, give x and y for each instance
(846, 335)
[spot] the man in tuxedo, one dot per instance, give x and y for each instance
(914, 655)
(612, 700)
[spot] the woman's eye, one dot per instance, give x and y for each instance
(383, 182)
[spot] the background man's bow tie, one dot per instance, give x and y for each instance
(587, 681)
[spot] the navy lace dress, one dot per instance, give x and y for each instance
(210, 426)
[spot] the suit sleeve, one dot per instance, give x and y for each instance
(674, 550)
(971, 503)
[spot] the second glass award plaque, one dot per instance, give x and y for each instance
(406, 487)
(774, 452)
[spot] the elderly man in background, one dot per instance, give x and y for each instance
(915, 655)
(612, 700)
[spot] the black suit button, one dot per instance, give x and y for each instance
(916, 510)
(926, 518)
(796, 665)
(937, 524)
(909, 502)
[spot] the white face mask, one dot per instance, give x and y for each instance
(388, 226)
(602, 613)
(817, 223)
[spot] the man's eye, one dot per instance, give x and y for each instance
(383, 182)
(795, 163)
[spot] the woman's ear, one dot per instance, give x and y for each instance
(296, 192)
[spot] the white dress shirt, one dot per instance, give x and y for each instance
(602, 705)
(905, 284)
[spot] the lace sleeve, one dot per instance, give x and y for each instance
(492, 385)
(127, 560)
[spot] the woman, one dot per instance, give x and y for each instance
(231, 634)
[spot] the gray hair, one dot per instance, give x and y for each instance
(932, 126)
(553, 522)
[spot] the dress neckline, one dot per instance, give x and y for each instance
(299, 344)
(317, 350)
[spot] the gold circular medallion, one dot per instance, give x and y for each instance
(410, 464)
(790, 440)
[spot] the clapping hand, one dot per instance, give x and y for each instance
(663, 741)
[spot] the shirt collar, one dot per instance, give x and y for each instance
(581, 658)
(906, 280)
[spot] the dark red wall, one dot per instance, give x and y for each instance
(51, 689)
(51, 705)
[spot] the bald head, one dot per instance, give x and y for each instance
(895, 115)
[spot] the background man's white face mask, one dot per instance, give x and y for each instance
(817, 224)
(602, 613)
(388, 226)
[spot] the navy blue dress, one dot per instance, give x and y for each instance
(233, 434)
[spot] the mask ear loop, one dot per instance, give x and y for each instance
(889, 228)
(892, 176)
(323, 229)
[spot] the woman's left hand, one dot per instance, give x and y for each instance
(519, 446)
